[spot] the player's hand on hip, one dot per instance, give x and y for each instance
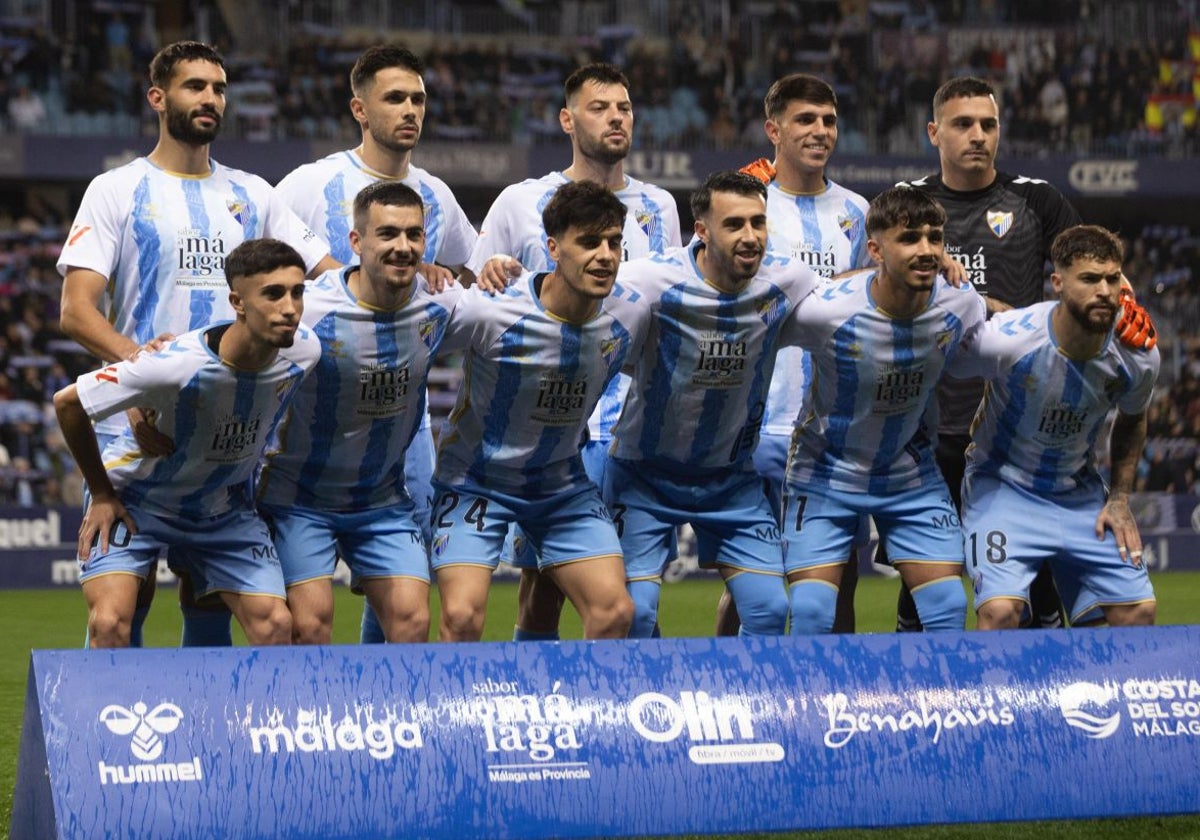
(149, 439)
(100, 524)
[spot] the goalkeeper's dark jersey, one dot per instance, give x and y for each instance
(1002, 236)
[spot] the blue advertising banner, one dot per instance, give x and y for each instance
(583, 739)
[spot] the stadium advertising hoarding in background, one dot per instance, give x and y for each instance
(582, 739)
(37, 545)
(497, 165)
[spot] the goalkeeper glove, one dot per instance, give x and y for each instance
(1134, 327)
(762, 169)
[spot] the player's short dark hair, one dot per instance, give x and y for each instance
(387, 193)
(724, 180)
(584, 205)
(260, 256)
(1086, 242)
(797, 87)
(905, 207)
(164, 61)
(960, 86)
(598, 71)
(379, 58)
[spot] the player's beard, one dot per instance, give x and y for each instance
(597, 150)
(181, 127)
(385, 140)
(1092, 318)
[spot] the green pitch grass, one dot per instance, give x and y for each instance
(55, 619)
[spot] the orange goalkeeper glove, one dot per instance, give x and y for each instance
(762, 169)
(1135, 328)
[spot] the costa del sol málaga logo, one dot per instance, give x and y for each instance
(144, 724)
(1083, 705)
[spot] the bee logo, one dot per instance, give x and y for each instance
(144, 725)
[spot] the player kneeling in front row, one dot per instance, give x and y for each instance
(218, 392)
(538, 357)
(880, 340)
(1032, 491)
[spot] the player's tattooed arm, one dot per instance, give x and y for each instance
(1125, 448)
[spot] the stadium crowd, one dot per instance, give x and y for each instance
(1062, 88)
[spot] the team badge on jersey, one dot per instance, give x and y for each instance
(1000, 221)
(427, 330)
(849, 226)
(943, 340)
(609, 349)
(771, 309)
(648, 222)
(237, 209)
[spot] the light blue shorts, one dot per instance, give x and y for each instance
(820, 525)
(518, 552)
(1010, 532)
(419, 461)
(228, 553)
(378, 543)
(472, 524)
(770, 460)
(730, 514)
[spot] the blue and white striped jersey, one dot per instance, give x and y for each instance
(1042, 411)
(530, 382)
(828, 233)
(342, 447)
(514, 226)
(868, 423)
(700, 383)
(161, 240)
(220, 418)
(322, 194)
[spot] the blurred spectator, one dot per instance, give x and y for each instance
(27, 111)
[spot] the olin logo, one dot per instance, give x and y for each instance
(145, 726)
